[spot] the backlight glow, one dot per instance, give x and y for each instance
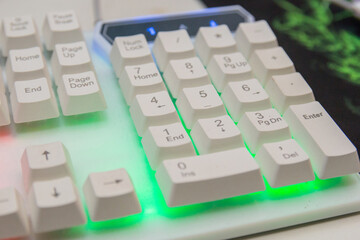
(151, 30)
(213, 23)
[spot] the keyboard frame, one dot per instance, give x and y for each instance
(107, 140)
(104, 43)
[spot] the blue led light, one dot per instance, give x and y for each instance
(151, 30)
(213, 23)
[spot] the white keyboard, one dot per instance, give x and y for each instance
(154, 128)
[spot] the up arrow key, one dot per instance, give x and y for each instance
(45, 162)
(46, 154)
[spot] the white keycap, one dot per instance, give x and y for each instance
(244, 96)
(172, 45)
(331, 152)
(254, 35)
(269, 62)
(110, 195)
(70, 58)
(18, 33)
(226, 68)
(129, 50)
(216, 134)
(199, 102)
(61, 27)
(214, 40)
(263, 127)
(13, 217)
(33, 100)
(45, 162)
(4, 110)
(289, 89)
(140, 79)
(185, 73)
(284, 163)
(80, 93)
(55, 205)
(224, 174)
(166, 142)
(153, 109)
(25, 64)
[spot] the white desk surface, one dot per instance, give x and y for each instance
(345, 227)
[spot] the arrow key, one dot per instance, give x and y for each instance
(110, 195)
(55, 205)
(45, 162)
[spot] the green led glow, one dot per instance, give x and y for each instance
(84, 119)
(115, 224)
(301, 188)
(247, 147)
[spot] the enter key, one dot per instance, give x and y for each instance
(331, 152)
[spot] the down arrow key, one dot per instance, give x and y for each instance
(55, 193)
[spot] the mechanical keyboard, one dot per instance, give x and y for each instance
(181, 126)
